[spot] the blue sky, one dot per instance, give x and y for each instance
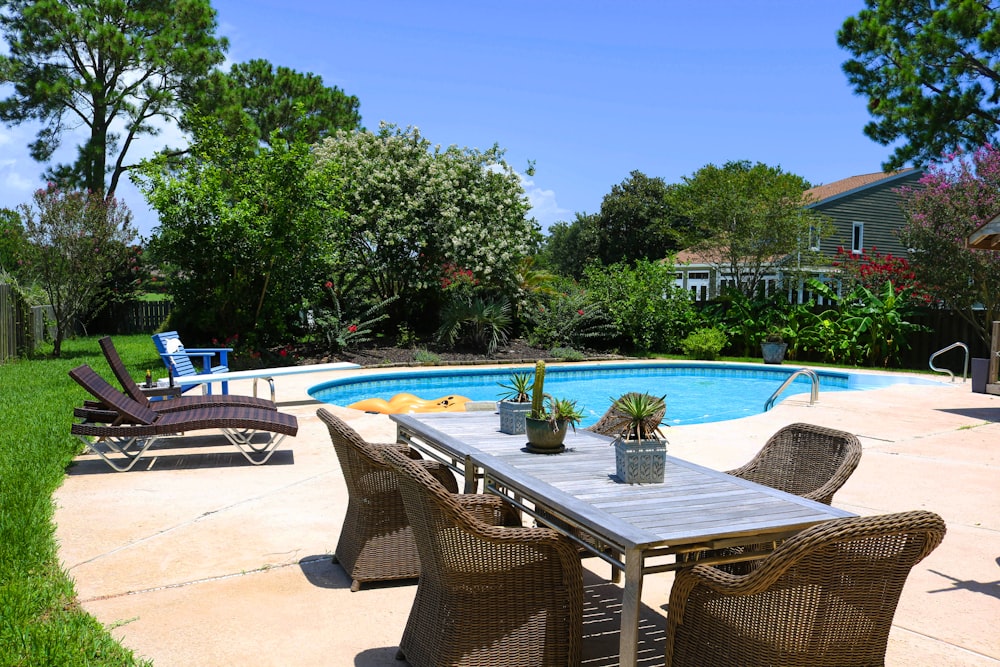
(589, 91)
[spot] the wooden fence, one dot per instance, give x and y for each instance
(131, 318)
(14, 330)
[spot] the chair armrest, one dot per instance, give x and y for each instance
(489, 509)
(441, 473)
(223, 353)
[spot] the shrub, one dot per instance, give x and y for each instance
(570, 319)
(566, 354)
(704, 344)
(648, 309)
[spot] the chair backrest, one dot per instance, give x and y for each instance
(118, 368)
(171, 350)
(825, 596)
(807, 460)
(99, 388)
(365, 472)
(434, 514)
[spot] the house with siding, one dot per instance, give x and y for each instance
(865, 214)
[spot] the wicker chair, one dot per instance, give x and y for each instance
(376, 542)
(612, 421)
(825, 597)
(809, 461)
(488, 595)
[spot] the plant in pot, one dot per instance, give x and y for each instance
(549, 419)
(641, 447)
(515, 404)
(773, 348)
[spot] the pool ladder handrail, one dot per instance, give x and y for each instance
(813, 394)
(965, 369)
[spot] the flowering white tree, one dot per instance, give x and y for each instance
(416, 212)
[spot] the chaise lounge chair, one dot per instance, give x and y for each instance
(130, 428)
(181, 402)
(177, 358)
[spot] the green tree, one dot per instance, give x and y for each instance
(930, 71)
(100, 63)
(417, 213)
(242, 233)
(751, 218)
(77, 242)
(638, 221)
(296, 106)
(647, 308)
(951, 201)
(571, 246)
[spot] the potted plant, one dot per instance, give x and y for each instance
(640, 447)
(549, 418)
(773, 348)
(515, 403)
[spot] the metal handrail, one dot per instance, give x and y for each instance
(813, 394)
(965, 371)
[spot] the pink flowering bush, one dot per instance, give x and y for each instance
(952, 200)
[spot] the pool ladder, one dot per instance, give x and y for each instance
(813, 394)
(965, 369)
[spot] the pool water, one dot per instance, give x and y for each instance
(695, 393)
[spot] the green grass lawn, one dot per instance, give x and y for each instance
(41, 622)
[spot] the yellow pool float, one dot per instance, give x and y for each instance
(401, 403)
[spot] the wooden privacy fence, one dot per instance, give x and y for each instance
(14, 315)
(131, 318)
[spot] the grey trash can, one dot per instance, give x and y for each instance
(980, 370)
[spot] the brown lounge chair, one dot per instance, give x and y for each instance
(129, 428)
(824, 598)
(180, 402)
(487, 594)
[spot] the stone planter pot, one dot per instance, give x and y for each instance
(512, 416)
(773, 353)
(542, 439)
(640, 461)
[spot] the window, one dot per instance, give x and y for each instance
(858, 238)
(698, 275)
(813, 239)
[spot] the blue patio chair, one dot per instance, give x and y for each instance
(181, 361)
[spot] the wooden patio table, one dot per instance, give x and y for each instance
(638, 528)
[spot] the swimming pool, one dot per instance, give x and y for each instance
(696, 393)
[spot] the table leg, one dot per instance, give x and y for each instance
(628, 644)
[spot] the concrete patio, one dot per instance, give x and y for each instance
(197, 558)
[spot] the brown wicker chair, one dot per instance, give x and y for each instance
(612, 421)
(488, 595)
(809, 461)
(825, 598)
(376, 542)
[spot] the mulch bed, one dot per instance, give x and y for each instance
(516, 352)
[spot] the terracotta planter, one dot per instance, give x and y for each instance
(773, 353)
(542, 439)
(640, 461)
(512, 416)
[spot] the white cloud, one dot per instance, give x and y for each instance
(544, 207)
(15, 181)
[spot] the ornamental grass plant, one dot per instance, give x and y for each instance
(41, 621)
